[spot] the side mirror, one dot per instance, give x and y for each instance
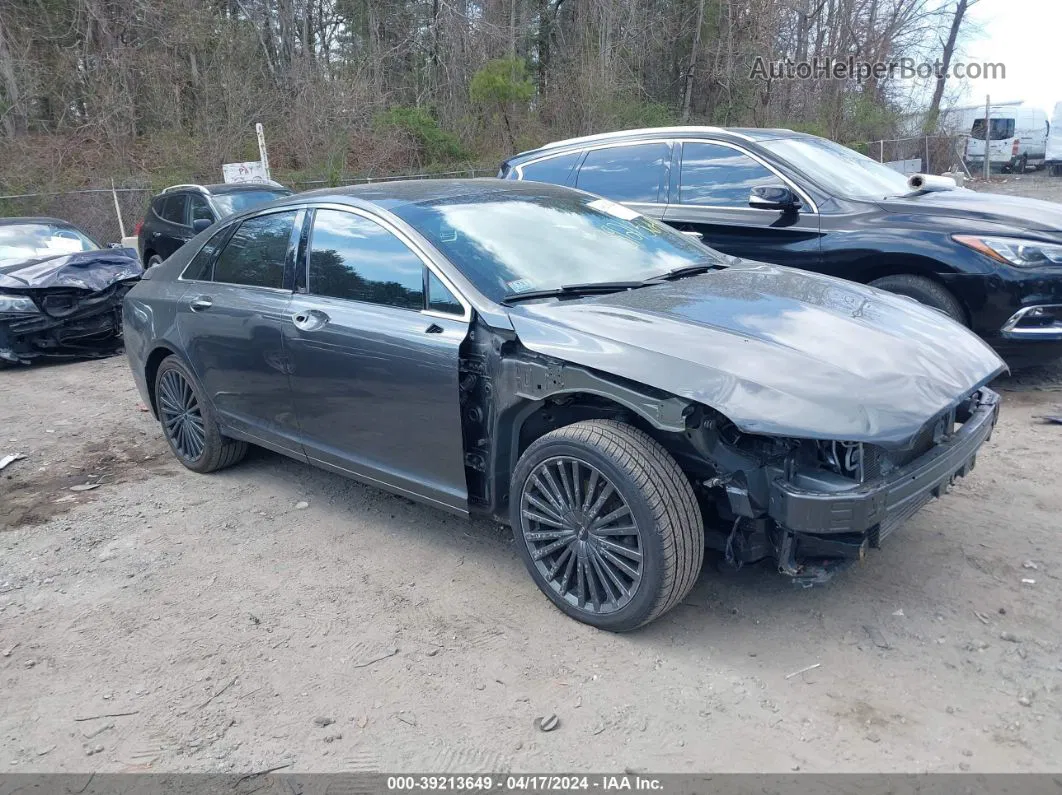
(774, 197)
(199, 224)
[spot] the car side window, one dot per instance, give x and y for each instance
(173, 209)
(256, 252)
(357, 259)
(554, 170)
(718, 176)
(440, 299)
(625, 173)
(199, 268)
(199, 210)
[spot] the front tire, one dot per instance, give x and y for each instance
(189, 423)
(606, 523)
(925, 291)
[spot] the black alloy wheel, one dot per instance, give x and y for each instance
(181, 416)
(582, 536)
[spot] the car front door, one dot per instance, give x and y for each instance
(230, 320)
(710, 186)
(373, 336)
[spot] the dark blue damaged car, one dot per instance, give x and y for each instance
(60, 292)
(618, 393)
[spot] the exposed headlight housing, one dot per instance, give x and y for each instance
(1020, 252)
(17, 304)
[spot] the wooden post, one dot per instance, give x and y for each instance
(262, 153)
(117, 209)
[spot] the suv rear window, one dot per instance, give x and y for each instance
(555, 170)
(171, 208)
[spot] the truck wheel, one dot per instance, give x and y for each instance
(188, 421)
(925, 291)
(607, 524)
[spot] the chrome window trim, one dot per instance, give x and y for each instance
(796, 188)
(411, 244)
(667, 132)
(587, 149)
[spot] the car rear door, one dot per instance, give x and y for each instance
(373, 337)
(171, 226)
(231, 319)
(634, 173)
(709, 194)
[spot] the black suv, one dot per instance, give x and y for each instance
(989, 261)
(180, 212)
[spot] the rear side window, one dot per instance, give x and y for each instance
(719, 176)
(355, 258)
(555, 170)
(999, 129)
(256, 252)
(172, 209)
(199, 268)
(625, 173)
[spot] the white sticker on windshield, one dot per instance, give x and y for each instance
(613, 209)
(520, 285)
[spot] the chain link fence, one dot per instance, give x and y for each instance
(97, 210)
(922, 154)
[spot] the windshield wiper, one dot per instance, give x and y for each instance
(573, 291)
(686, 270)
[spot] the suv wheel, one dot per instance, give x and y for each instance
(188, 421)
(925, 291)
(154, 260)
(607, 524)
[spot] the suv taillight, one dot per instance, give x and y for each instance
(137, 228)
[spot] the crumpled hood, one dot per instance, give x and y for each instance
(1014, 211)
(86, 270)
(778, 351)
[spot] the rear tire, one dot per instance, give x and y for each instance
(189, 423)
(925, 291)
(606, 523)
(154, 260)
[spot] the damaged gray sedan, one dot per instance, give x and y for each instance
(618, 393)
(60, 293)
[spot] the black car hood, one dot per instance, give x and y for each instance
(1015, 211)
(778, 351)
(86, 270)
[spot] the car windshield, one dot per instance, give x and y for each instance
(229, 203)
(37, 240)
(510, 243)
(845, 171)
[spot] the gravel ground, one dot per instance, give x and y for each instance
(277, 614)
(273, 614)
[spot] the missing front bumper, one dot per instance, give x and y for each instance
(842, 524)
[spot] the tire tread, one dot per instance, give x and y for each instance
(667, 491)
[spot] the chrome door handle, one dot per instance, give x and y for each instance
(200, 303)
(309, 319)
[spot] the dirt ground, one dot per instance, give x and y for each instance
(273, 614)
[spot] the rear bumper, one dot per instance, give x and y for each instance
(875, 509)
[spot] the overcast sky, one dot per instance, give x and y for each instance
(1026, 36)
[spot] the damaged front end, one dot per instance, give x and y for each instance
(816, 506)
(69, 306)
